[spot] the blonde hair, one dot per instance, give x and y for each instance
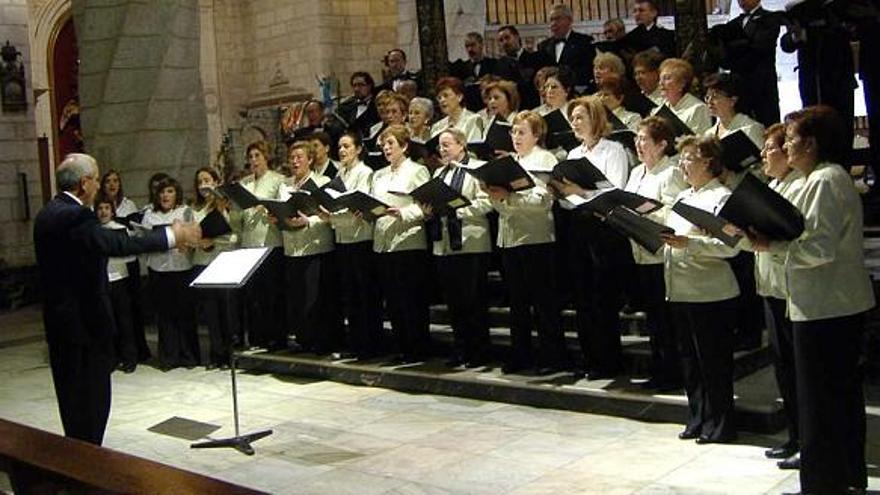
(610, 61)
(681, 69)
(595, 112)
(534, 121)
(508, 89)
(399, 132)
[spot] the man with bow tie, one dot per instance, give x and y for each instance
(647, 34)
(749, 51)
(566, 47)
(359, 110)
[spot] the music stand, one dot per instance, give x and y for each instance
(232, 270)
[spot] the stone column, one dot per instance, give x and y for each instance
(432, 41)
(690, 30)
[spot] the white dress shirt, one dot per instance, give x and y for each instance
(347, 227)
(314, 238)
(699, 272)
(125, 208)
(526, 217)
(475, 235)
(404, 233)
(609, 157)
(692, 111)
(664, 182)
(172, 260)
(256, 230)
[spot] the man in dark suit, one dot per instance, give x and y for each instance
(395, 70)
(477, 65)
(748, 44)
(568, 48)
(647, 34)
(359, 110)
(72, 250)
(520, 65)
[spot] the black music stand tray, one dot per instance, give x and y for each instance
(231, 271)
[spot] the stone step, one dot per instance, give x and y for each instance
(622, 397)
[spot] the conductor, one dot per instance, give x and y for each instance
(72, 251)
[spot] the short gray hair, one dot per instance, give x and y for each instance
(562, 9)
(425, 104)
(73, 168)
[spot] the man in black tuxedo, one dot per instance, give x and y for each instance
(72, 250)
(520, 65)
(477, 65)
(568, 48)
(395, 70)
(647, 34)
(359, 110)
(748, 44)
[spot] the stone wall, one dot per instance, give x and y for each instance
(18, 142)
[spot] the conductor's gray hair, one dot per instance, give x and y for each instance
(73, 168)
(426, 105)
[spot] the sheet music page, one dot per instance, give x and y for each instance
(230, 267)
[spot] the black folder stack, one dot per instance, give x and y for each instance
(214, 225)
(644, 231)
(559, 132)
(582, 172)
(705, 220)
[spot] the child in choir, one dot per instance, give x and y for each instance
(308, 254)
(117, 274)
(170, 275)
(220, 308)
(399, 240)
(526, 236)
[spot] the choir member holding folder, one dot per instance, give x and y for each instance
(599, 255)
(308, 246)
(829, 291)
(263, 302)
(701, 290)
(657, 177)
(354, 259)
(399, 240)
(526, 236)
(170, 275)
(461, 245)
(675, 81)
(773, 288)
(219, 308)
(450, 94)
(722, 98)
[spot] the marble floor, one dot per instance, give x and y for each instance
(331, 438)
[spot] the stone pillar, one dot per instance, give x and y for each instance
(691, 29)
(142, 107)
(432, 41)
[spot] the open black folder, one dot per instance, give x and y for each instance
(497, 139)
(644, 231)
(559, 132)
(238, 195)
(638, 103)
(136, 217)
(738, 151)
(678, 126)
(504, 172)
(359, 201)
(214, 225)
(705, 220)
(419, 149)
(606, 200)
(439, 195)
(754, 205)
(582, 172)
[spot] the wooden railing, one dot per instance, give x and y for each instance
(41, 462)
(500, 12)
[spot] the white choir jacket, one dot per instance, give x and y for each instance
(348, 228)
(172, 260)
(475, 235)
(825, 266)
(314, 238)
(407, 233)
(754, 130)
(609, 157)
(630, 119)
(770, 267)
(226, 242)
(692, 111)
(526, 217)
(256, 230)
(664, 182)
(468, 122)
(699, 273)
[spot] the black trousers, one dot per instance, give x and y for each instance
(530, 275)
(361, 301)
(404, 278)
(706, 342)
(782, 343)
(134, 284)
(176, 315)
(665, 358)
(126, 338)
(220, 311)
(264, 300)
(81, 375)
(749, 312)
(829, 387)
(464, 281)
(309, 287)
(599, 262)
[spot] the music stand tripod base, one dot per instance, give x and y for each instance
(240, 443)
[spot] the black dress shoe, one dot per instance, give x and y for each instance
(689, 434)
(783, 451)
(703, 440)
(793, 462)
(128, 368)
(600, 375)
(455, 362)
(514, 367)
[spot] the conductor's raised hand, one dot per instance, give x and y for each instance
(186, 234)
